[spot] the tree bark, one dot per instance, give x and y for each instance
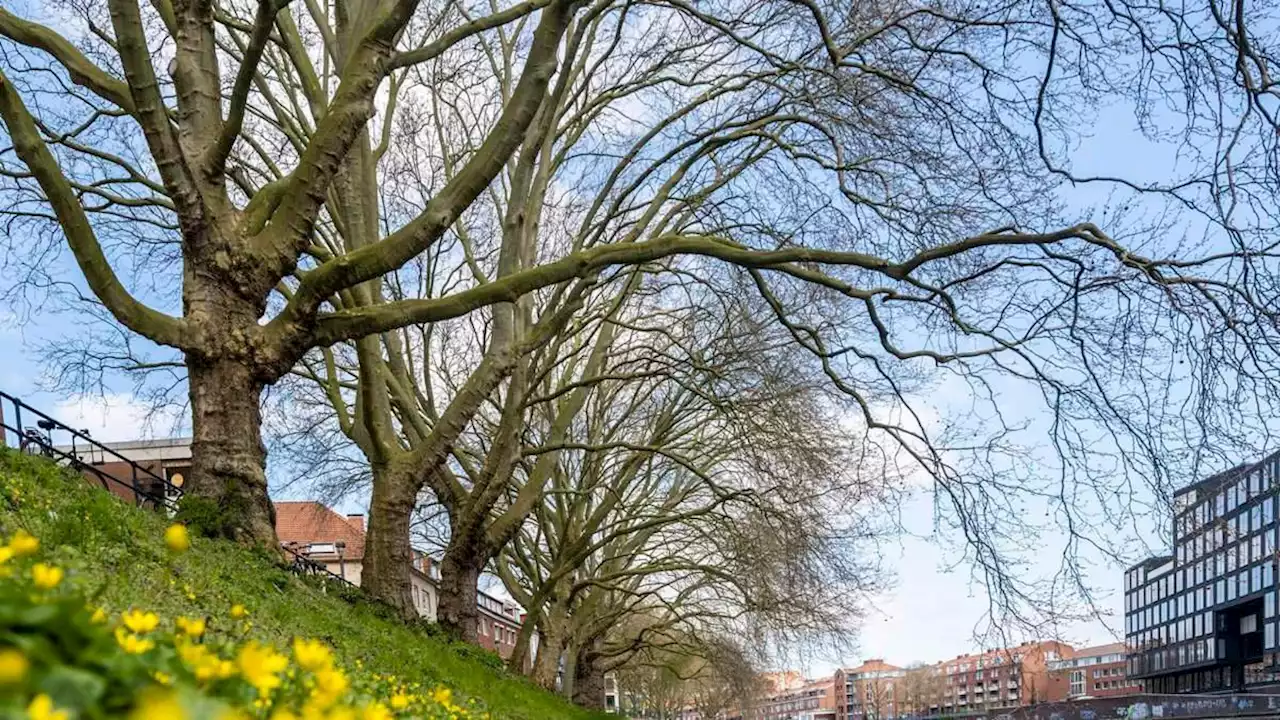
(546, 666)
(588, 679)
(388, 555)
(226, 495)
(459, 590)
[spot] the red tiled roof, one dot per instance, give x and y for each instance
(307, 522)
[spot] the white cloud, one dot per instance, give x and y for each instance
(118, 417)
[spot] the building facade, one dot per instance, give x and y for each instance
(1093, 672)
(167, 459)
(314, 531)
(812, 700)
(996, 680)
(871, 691)
(499, 624)
(1203, 619)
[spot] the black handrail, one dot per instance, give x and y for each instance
(41, 436)
(54, 424)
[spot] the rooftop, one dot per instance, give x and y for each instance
(309, 523)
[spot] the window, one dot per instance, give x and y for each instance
(1077, 682)
(1269, 604)
(1269, 636)
(1248, 624)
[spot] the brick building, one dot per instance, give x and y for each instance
(160, 461)
(1093, 672)
(810, 700)
(872, 691)
(995, 680)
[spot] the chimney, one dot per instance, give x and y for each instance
(356, 521)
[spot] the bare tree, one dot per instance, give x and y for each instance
(687, 433)
(892, 183)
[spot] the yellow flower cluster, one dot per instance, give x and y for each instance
(21, 544)
(198, 666)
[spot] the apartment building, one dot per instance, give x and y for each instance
(1203, 618)
(811, 700)
(872, 691)
(995, 680)
(1093, 672)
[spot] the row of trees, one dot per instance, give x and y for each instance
(652, 308)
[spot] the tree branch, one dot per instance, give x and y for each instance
(83, 72)
(33, 151)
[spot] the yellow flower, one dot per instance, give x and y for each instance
(238, 611)
(442, 695)
(177, 539)
(132, 644)
(312, 655)
(13, 666)
(6, 554)
(399, 701)
(41, 708)
(330, 684)
(261, 666)
(191, 627)
(23, 543)
(162, 678)
(99, 616)
(46, 577)
(283, 714)
(158, 705)
(375, 711)
(139, 621)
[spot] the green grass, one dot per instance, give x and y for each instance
(116, 552)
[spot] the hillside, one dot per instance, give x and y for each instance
(117, 554)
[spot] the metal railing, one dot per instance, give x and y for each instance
(149, 488)
(41, 438)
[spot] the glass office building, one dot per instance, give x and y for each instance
(1203, 619)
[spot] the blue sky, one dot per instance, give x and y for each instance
(933, 612)
(935, 609)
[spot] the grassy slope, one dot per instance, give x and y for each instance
(117, 550)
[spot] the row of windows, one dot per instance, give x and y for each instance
(1171, 657)
(1234, 528)
(1237, 494)
(1252, 549)
(1154, 623)
(1194, 510)
(1230, 497)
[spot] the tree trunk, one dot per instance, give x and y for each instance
(459, 589)
(546, 666)
(588, 680)
(388, 556)
(226, 495)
